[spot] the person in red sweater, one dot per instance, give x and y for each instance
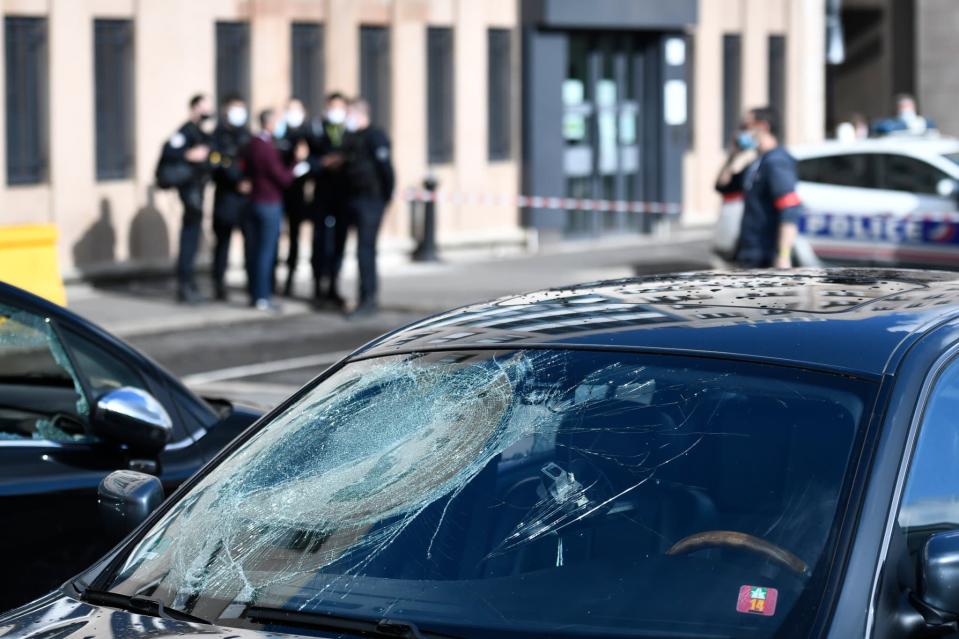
(269, 177)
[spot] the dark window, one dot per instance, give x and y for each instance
(439, 94)
(858, 170)
(500, 78)
(308, 68)
(26, 104)
(732, 89)
(113, 61)
(777, 77)
(232, 60)
(375, 73)
(103, 371)
(904, 173)
(930, 502)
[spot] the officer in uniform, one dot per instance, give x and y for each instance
(231, 199)
(191, 143)
(330, 223)
(295, 129)
(771, 207)
(368, 170)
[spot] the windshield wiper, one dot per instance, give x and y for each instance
(342, 623)
(138, 604)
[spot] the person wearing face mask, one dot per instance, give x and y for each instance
(329, 202)
(907, 120)
(231, 198)
(368, 174)
(269, 177)
(765, 178)
(191, 144)
(293, 130)
(740, 153)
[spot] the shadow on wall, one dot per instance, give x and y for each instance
(149, 237)
(98, 244)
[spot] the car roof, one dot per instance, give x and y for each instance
(848, 320)
(913, 145)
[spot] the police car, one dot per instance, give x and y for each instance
(879, 201)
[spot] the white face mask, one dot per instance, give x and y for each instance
(336, 115)
(352, 124)
(295, 117)
(236, 116)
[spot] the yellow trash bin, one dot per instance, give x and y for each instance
(28, 259)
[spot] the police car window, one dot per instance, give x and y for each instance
(856, 169)
(904, 173)
(931, 499)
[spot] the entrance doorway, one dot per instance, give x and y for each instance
(607, 127)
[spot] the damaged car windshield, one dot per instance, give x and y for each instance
(547, 492)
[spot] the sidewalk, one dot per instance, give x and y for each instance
(147, 307)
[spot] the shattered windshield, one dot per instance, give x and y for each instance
(545, 492)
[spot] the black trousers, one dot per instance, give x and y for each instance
(230, 213)
(330, 227)
(191, 196)
(366, 213)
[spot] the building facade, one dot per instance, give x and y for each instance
(614, 100)
(892, 47)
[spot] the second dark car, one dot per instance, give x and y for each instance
(75, 405)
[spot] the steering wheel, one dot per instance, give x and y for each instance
(732, 539)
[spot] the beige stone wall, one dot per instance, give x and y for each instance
(175, 57)
(802, 22)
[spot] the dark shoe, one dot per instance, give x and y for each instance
(221, 294)
(334, 300)
(288, 289)
(365, 309)
(189, 295)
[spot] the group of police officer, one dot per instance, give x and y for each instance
(340, 177)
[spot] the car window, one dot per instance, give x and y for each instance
(40, 397)
(930, 501)
(103, 371)
(462, 487)
(904, 173)
(853, 169)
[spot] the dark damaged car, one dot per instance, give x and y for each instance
(75, 405)
(708, 455)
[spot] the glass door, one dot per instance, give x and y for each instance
(602, 102)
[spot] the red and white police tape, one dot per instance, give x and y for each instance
(540, 202)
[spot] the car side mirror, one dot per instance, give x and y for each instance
(134, 417)
(947, 187)
(126, 498)
(939, 574)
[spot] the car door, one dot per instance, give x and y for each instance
(929, 504)
(847, 210)
(50, 464)
(870, 207)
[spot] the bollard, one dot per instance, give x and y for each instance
(426, 246)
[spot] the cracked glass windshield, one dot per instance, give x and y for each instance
(556, 492)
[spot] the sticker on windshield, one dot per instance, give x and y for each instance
(757, 600)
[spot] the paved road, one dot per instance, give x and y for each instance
(262, 359)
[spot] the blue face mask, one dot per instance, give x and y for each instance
(280, 129)
(745, 141)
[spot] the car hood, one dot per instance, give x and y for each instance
(57, 616)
